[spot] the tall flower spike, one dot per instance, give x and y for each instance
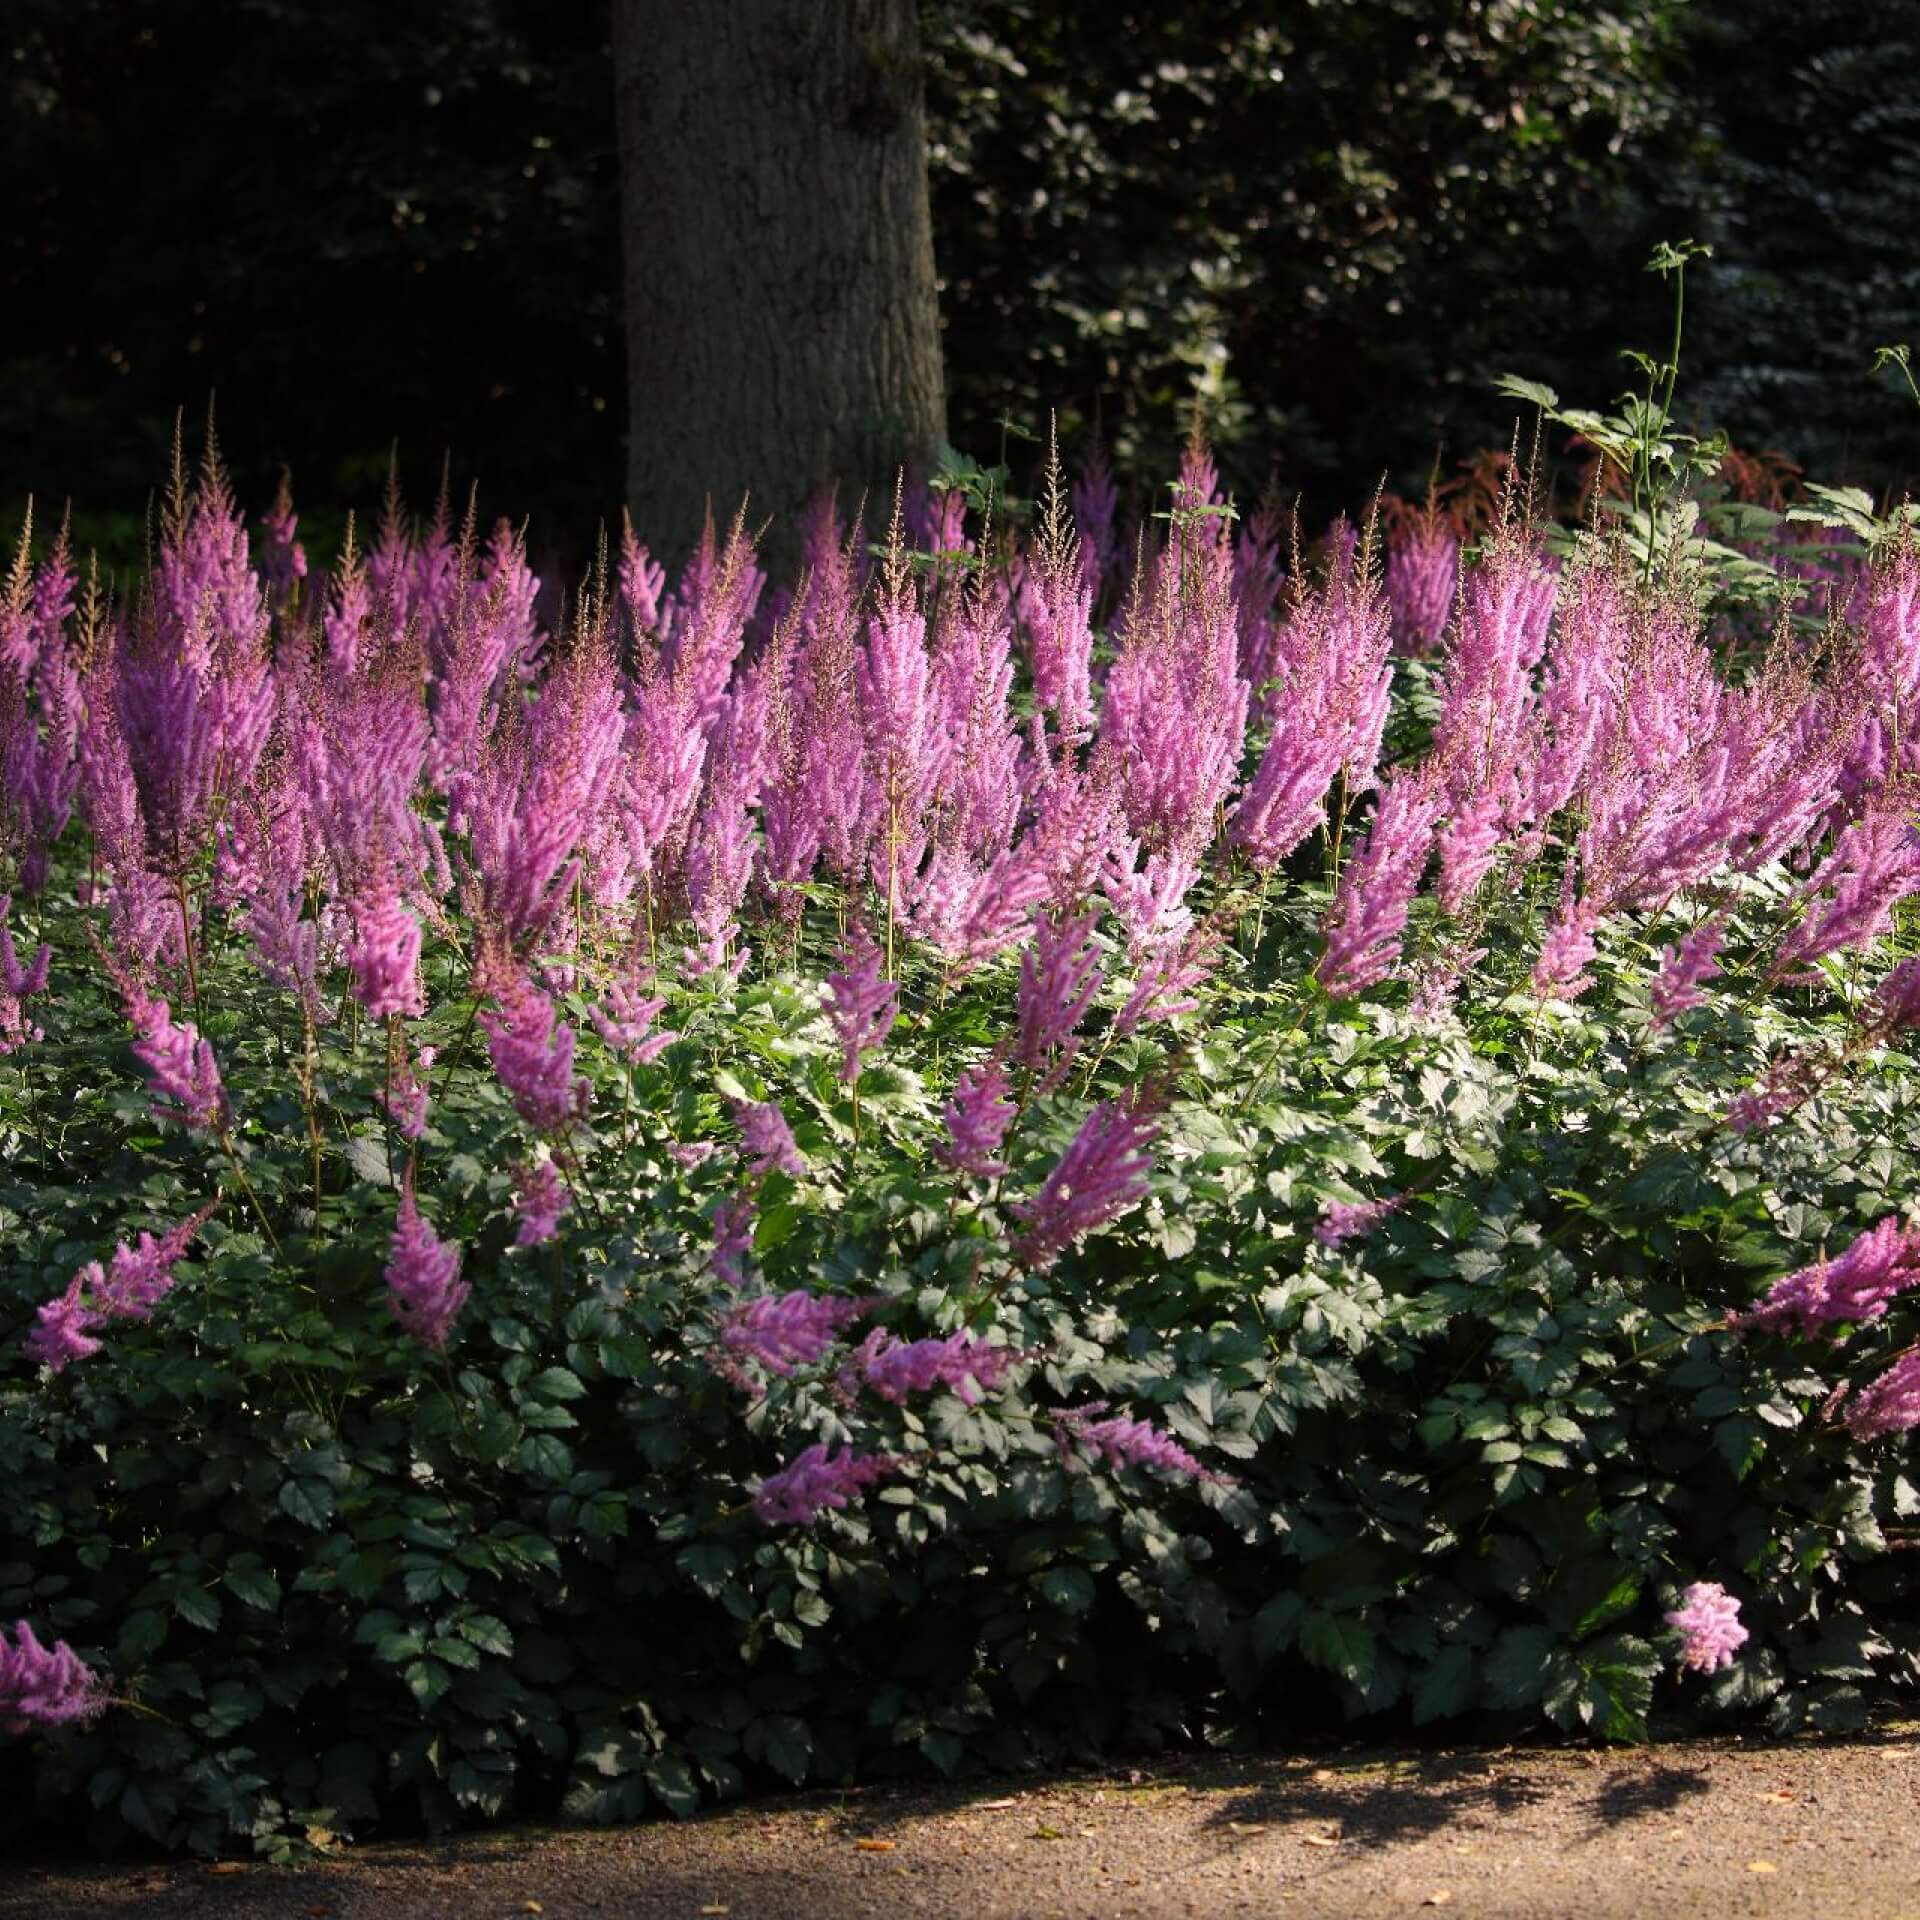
(182, 1074)
(969, 1366)
(783, 1331)
(864, 1003)
(63, 1328)
(424, 1287)
(385, 954)
(532, 1052)
(45, 1686)
(1103, 1172)
(1122, 1442)
(542, 1198)
(733, 1224)
(1890, 1404)
(1059, 975)
(1368, 918)
(766, 1139)
(819, 1478)
(1676, 987)
(1853, 1287)
(977, 1116)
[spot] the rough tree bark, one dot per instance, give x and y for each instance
(782, 330)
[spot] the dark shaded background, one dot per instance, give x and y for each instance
(361, 225)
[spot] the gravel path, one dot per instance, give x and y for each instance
(1699, 1829)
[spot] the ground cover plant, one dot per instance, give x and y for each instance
(1031, 1139)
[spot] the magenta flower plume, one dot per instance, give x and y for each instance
(1676, 987)
(1103, 1172)
(1344, 1220)
(18, 983)
(137, 1278)
(45, 1686)
(766, 1139)
(542, 1198)
(1890, 1404)
(625, 1021)
(1059, 975)
(1423, 570)
(424, 1287)
(783, 1331)
(407, 1099)
(733, 1224)
(63, 1327)
(977, 1117)
(864, 1003)
(385, 955)
(1368, 917)
(1895, 1005)
(969, 1366)
(819, 1478)
(532, 1053)
(1708, 1619)
(182, 1074)
(1122, 1442)
(1854, 1287)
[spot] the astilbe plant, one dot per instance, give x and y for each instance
(1188, 910)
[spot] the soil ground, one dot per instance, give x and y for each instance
(1700, 1829)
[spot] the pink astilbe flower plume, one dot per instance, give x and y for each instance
(18, 983)
(1708, 1619)
(542, 1198)
(532, 1053)
(406, 1099)
(818, 1479)
(424, 1287)
(63, 1328)
(977, 1118)
(1854, 1286)
(384, 954)
(894, 1368)
(1344, 1220)
(864, 1003)
(767, 1140)
(1119, 1441)
(782, 1331)
(1368, 918)
(1059, 975)
(182, 1075)
(45, 1686)
(137, 1278)
(733, 1224)
(1889, 1404)
(1676, 987)
(1102, 1174)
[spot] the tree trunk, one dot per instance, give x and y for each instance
(782, 329)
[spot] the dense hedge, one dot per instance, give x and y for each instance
(1268, 1290)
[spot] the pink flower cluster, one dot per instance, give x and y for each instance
(131, 1284)
(1708, 1620)
(817, 1480)
(1854, 1286)
(45, 1686)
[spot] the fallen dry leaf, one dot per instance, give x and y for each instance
(1437, 1898)
(995, 1806)
(874, 1846)
(712, 1912)
(1246, 1826)
(228, 1866)
(531, 1906)
(1780, 1799)
(1320, 1776)
(1048, 1833)
(1761, 1866)
(1321, 1839)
